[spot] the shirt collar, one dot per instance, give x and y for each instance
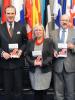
(66, 30)
(8, 24)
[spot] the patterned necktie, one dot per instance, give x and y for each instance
(62, 36)
(10, 30)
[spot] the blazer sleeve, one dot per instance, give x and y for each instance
(1, 50)
(48, 56)
(73, 50)
(24, 38)
(29, 58)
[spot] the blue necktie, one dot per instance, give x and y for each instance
(62, 37)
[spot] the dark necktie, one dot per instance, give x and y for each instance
(10, 30)
(62, 36)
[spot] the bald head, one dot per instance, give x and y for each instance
(65, 17)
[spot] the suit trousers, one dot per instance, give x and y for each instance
(64, 84)
(12, 81)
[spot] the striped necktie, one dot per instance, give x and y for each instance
(10, 30)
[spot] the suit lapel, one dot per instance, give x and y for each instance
(56, 38)
(44, 45)
(71, 34)
(5, 32)
(14, 31)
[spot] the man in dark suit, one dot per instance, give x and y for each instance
(64, 62)
(13, 39)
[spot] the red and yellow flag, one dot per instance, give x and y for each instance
(32, 15)
(36, 12)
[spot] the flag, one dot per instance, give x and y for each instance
(57, 11)
(29, 32)
(28, 12)
(42, 10)
(33, 15)
(64, 7)
(28, 17)
(68, 11)
(19, 5)
(36, 8)
(46, 16)
(72, 13)
(68, 6)
(5, 3)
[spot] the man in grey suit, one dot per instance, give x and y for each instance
(64, 62)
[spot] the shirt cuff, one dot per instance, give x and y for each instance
(2, 53)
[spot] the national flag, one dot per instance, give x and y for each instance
(72, 13)
(68, 6)
(28, 17)
(64, 7)
(19, 5)
(43, 10)
(28, 12)
(5, 3)
(29, 32)
(36, 8)
(46, 16)
(68, 10)
(33, 15)
(57, 11)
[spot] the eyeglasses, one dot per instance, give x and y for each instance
(64, 20)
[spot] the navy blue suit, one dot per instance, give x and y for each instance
(12, 67)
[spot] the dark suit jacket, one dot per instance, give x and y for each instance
(69, 61)
(19, 36)
(47, 55)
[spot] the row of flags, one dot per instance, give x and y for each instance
(30, 11)
(64, 7)
(38, 11)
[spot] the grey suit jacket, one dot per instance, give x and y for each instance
(69, 61)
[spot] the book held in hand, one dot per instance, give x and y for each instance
(62, 50)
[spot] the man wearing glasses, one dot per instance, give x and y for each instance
(64, 62)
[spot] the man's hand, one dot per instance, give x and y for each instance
(6, 55)
(19, 53)
(70, 45)
(55, 54)
(16, 53)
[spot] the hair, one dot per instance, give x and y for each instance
(35, 27)
(10, 6)
(65, 15)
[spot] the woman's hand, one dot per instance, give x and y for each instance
(38, 61)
